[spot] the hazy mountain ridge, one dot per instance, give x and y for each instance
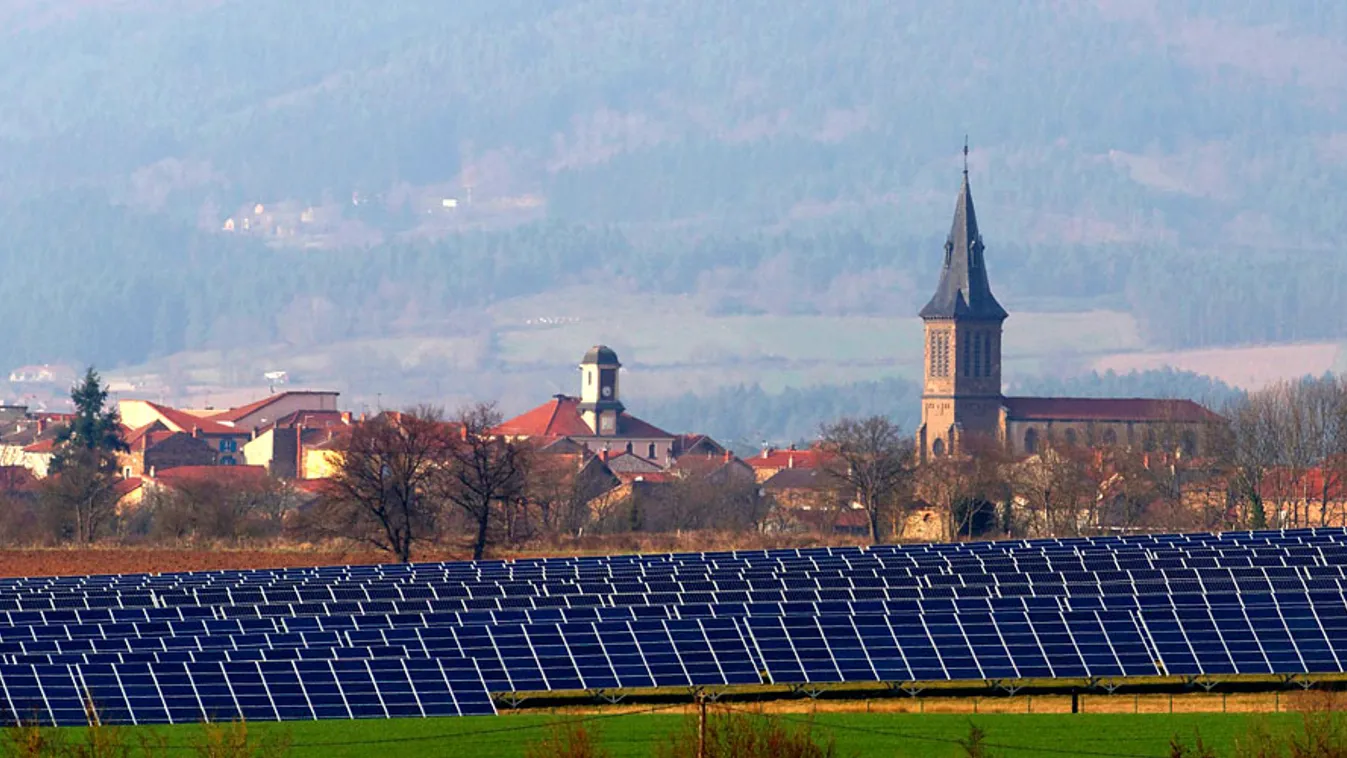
(798, 157)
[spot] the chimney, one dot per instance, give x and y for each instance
(728, 456)
(604, 454)
(41, 425)
(346, 417)
(196, 431)
(151, 472)
(790, 460)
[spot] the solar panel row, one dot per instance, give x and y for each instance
(1278, 547)
(191, 693)
(1249, 603)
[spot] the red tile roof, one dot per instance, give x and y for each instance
(42, 446)
(186, 422)
(1106, 409)
(809, 458)
(127, 486)
(1290, 484)
(560, 417)
(226, 475)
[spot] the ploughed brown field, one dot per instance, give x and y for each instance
(69, 561)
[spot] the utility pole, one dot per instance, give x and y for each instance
(701, 724)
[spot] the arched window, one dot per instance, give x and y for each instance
(629, 448)
(651, 454)
(1070, 437)
(1110, 437)
(967, 356)
(1188, 442)
(1031, 441)
(938, 448)
(977, 353)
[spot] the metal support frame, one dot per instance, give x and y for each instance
(511, 699)
(1303, 681)
(611, 698)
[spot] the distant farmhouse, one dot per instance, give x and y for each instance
(961, 397)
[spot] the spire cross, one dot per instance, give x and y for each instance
(965, 155)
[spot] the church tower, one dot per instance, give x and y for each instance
(599, 405)
(961, 396)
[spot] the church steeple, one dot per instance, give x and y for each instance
(964, 291)
(961, 396)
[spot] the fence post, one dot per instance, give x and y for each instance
(1223, 702)
(1171, 702)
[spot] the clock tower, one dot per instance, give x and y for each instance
(599, 404)
(961, 394)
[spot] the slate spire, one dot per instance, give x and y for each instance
(964, 291)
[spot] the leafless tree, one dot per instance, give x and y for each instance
(1059, 489)
(80, 502)
(966, 486)
(1249, 447)
(872, 459)
(487, 473)
(218, 511)
(386, 491)
(561, 488)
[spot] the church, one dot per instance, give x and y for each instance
(961, 395)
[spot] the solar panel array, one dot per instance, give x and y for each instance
(442, 639)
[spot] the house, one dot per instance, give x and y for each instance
(155, 447)
(772, 461)
(225, 438)
(29, 443)
(596, 420)
(962, 391)
(808, 489)
(282, 445)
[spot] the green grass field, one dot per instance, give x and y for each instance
(636, 734)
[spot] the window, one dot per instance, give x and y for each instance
(228, 460)
(977, 353)
(1031, 441)
(1188, 443)
(1110, 437)
(651, 453)
(938, 448)
(987, 353)
(628, 448)
(967, 356)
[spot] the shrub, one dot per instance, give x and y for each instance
(735, 735)
(567, 739)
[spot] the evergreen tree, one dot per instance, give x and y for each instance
(96, 428)
(79, 500)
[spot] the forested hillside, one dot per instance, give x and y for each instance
(1178, 160)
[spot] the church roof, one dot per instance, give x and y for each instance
(964, 291)
(601, 355)
(1106, 409)
(560, 417)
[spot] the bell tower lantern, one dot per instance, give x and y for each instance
(599, 404)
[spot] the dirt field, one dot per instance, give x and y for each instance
(70, 562)
(111, 559)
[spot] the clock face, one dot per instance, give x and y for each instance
(607, 391)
